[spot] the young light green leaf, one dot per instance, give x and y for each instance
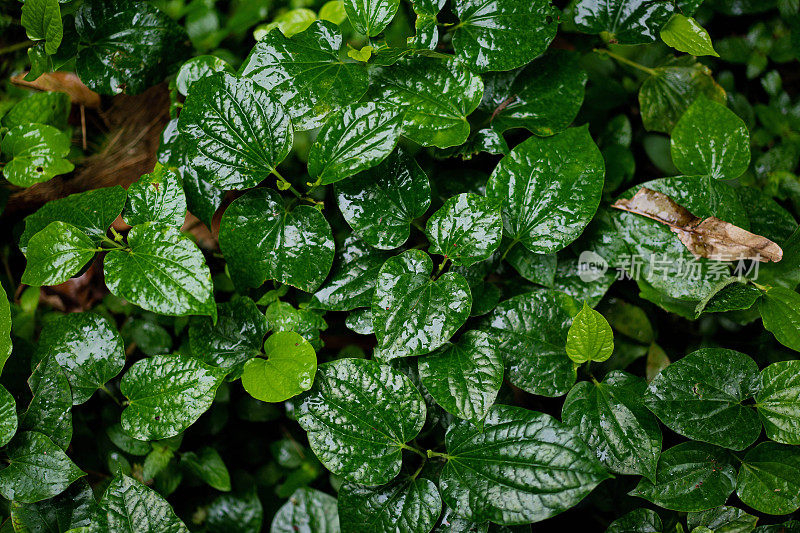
(464, 377)
(612, 419)
(722, 519)
(8, 416)
(261, 240)
(710, 139)
(780, 312)
(685, 35)
(37, 469)
(691, 476)
(198, 68)
(410, 505)
(467, 229)
(778, 401)
(57, 253)
(437, 96)
(37, 153)
(131, 507)
(208, 466)
(307, 510)
(239, 130)
(769, 478)
(370, 17)
(162, 271)
(589, 337)
(637, 521)
(156, 197)
(42, 21)
(50, 410)
(519, 30)
(700, 396)
(522, 467)
(167, 394)
(413, 314)
(353, 139)
(306, 74)
(630, 320)
(550, 189)
(626, 21)
(89, 349)
(156, 461)
(352, 422)
(288, 370)
(307, 323)
(72, 510)
(43, 108)
(380, 203)
(532, 331)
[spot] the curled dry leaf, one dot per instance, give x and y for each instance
(710, 237)
(62, 82)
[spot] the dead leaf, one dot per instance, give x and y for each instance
(711, 237)
(62, 82)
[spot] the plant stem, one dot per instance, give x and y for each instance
(626, 61)
(14, 47)
(115, 244)
(441, 268)
(510, 246)
(284, 184)
(105, 389)
(412, 449)
(432, 454)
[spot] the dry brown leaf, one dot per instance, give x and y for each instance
(711, 237)
(62, 82)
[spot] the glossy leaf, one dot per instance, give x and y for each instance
(352, 423)
(710, 139)
(522, 467)
(780, 311)
(466, 229)
(231, 513)
(769, 478)
(464, 377)
(692, 476)
(37, 153)
(503, 34)
(307, 510)
(239, 130)
(724, 519)
(686, 35)
(288, 370)
(50, 410)
(73, 509)
(370, 17)
(262, 240)
(5, 329)
(637, 521)
(57, 253)
(8, 416)
(550, 189)
(156, 197)
(412, 313)
(198, 68)
(43, 108)
(353, 139)
(380, 203)
(778, 401)
(626, 21)
(411, 505)
(130, 506)
(305, 73)
(166, 394)
(161, 271)
(612, 419)
(208, 466)
(589, 337)
(42, 21)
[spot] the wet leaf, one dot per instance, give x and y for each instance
(307, 510)
(769, 478)
(411, 505)
(50, 410)
(686, 35)
(287, 371)
(130, 506)
(780, 312)
(208, 466)
(57, 253)
(778, 401)
(73, 509)
(370, 17)
(467, 229)
(626, 21)
(198, 68)
(8, 416)
(637, 521)
(727, 519)
(589, 337)
(156, 197)
(37, 153)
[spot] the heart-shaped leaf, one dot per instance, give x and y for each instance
(209, 467)
(412, 313)
(57, 253)
(131, 507)
(156, 197)
(8, 416)
(589, 337)
(73, 509)
(42, 21)
(627, 21)
(411, 505)
(686, 35)
(37, 153)
(722, 518)
(467, 229)
(769, 478)
(637, 521)
(370, 17)
(198, 68)
(780, 312)
(778, 401)
(307, 508)
(50, 410)
(288, 370)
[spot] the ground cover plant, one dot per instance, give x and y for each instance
(413, 266)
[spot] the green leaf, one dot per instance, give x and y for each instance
(306, 74)
(370, 17)
(288, 370)
(786, 272)
(769, 478)
(550, 189)
(637, 521)
(5, 329)
(230, 513)
(8, 416)
(536, 268)
(589, 337)
(518, 30)
(208, 466)
(167, 394)
(162, 271)
(151, 338)
(626, 21)
(125, 442)
(37, 469)
(360, 321)
(523, 467)
(413, 314)
(436, 95)
(778, 401)
(238, 130)
(543, 98)
(89, 349)
(91, 211)
(668, 93)
(380, 203)
(198, 68)
(305, 322)
(700, 396)
(131, 507)
(467, 229)
(692, 476)
(42, 21)
(352, 283)
(307, 510)
(128, 46)
(71, 510)
(630, 320)
(780, 311)
(353, 423)
(37, 153)
(452, 523)
(156, 461)
(262, 240)
(722, 520)
(612, 419)
(464, 377)
(57, 253)
(685, 35)
(410, 505)
(50, 410)
(354, 138)
(43, 108)
(532, 331)
(156, 197)
(234, 339)
(710, 139)
(290, 23)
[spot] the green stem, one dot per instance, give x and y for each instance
(441, 268)
(432, 454)
(412, 449)
(626, 61)
(510, 246)
(284, 184)
(418, 225)
(105, 389)
(421, 466)
(115, 244)
(14, 47)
